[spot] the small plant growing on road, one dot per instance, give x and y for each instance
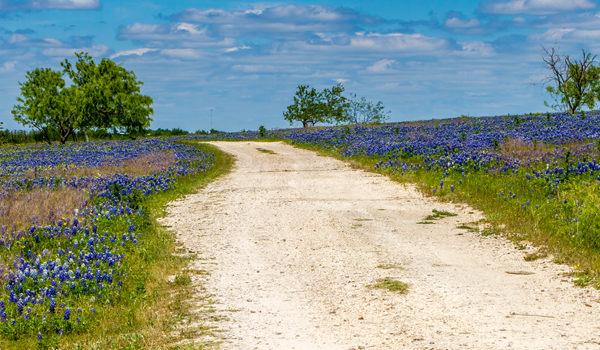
(439, 214)
(391, 285)
(265, 151)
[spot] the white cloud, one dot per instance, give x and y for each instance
(171, 34)
(459, 23)
(394, 42)
(95, 50)
(284, 21)
(15, 5)
(234, 49)
(138, 52)
(8, 67)
(477, 48)
(182, 53)
(18, 38)
(567, 35)
(380, 66)
(535, 7)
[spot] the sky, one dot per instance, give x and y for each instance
(243, 60)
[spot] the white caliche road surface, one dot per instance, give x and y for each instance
(293, 240)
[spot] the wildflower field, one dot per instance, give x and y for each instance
(78, 243)
(536, 177)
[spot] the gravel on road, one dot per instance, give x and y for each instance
(293, 242)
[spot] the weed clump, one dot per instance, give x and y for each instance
(391, 285)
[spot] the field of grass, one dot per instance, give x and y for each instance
(90, 269)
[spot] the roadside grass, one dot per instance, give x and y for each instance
(391, 285)
(268, 151)
(388, 266)
(150, 310)
(439, 214)
(535, 256)
(564, 223)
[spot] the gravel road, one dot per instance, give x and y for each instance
(293, 240)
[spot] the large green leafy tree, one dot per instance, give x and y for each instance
(110, 96)
(573, 83)
(46, 104)
(311, 107)
(101, 96)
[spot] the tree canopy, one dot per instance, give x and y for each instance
(329, 106)
(574, 83)
(100, 96)
(311, 107)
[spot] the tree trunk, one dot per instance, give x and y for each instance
(65, 137)
(46, 136)
(305, 124)
(85, 135)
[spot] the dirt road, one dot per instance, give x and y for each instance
(293, 240)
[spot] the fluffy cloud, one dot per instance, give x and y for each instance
(36, 5)
(137, 52)
(460, 23)
(283, 22)
(8, 67)
(455, 22)
(172, 34)
(374, 43)
(186, 54)
(534, 7)
(95, 51)
(567, 35)
(380, 66)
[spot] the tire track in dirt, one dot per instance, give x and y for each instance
(292, 241)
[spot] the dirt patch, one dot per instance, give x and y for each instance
(290, 266)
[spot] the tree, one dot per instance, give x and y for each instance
(335, 104)
(46, 104)
(110, 96)
(311, 107)
(361, 111)
(101, 96)
(574, 83)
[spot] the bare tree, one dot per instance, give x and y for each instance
(572, 83)
(361, 111)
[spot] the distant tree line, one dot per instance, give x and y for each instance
(101, 97)
(22, 136)
(331, 107)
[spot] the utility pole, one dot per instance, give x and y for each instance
(211, 119)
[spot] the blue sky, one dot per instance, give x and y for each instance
(423, 59)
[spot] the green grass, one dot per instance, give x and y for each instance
(149, 311)
(388, 266)
(391, 285)
(535, 256)
(467, 227)
(268, 151)
(439, 214)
